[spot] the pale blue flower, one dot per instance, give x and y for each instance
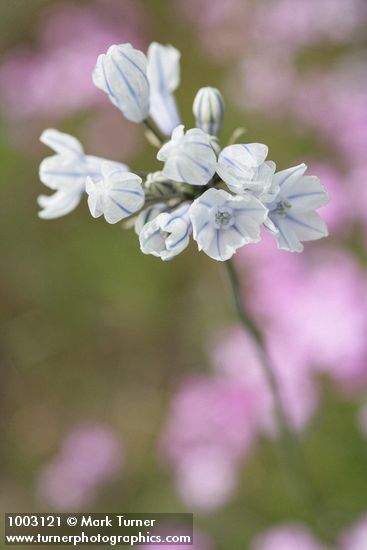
(122, 74)
(164, 78)
(66, 173)
(188, 157)
(292, 217)
(244, 169)
(117, 195)
(168, 234)
(222, 223)
(147, 215)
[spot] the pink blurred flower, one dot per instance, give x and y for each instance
(55, 78)
(210, 427)
(290, 536)
(235, 355)
(313, 307)
(206, 480)
(334, 104)
(356, 537)
(274, 25)
(91, 455)
(279, 24)
(226, 20)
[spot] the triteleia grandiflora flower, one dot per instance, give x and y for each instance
(219, 196)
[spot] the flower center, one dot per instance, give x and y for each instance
(223, 217)
(282, 207)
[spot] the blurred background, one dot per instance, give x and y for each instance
(126, 383)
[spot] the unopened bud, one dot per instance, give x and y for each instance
(208, 109)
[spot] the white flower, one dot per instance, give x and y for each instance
(208, 109)
(222, 223)
(116, 196)
(147, 215)
(168, 234)
(164, 78)
(188, 157)
(292, 217)
(66, 173)
(122, 74)
(243, 168)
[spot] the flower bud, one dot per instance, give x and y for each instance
(208, 109)
(121, 73)
(116, 196)
(168, 234)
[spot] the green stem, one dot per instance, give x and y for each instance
(157, 134)
(290, 453)
(256, 333)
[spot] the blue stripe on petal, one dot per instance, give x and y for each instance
(66, 146)
(290, 173)
(126, 81)
(128, 191)
(231, 162)
(120, 206)
(201, 229)
(205, 169)
(244, 146)
(200, 143)
(173, 245)
(312, 194)
(135, 65)
(71, 174)
(302, 224)
(109, 89)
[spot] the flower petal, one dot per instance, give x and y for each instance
(167, 235)
(189, 158)
(237, 164)
(118, 195)
(57, 205)
(222, 222)
(164, 112)
(163, 67)
(148, 215)
(164, 77)
(308, 226)
(307, 193)
(61, 143)
(285, 235)
(121, 73)
(286, 178)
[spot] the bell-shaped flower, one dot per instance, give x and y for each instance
(208, 109)
(244, 169)
(164, 78)
(292, 217)
(168, 234)
(188, 157)
(222, 223)
(122, 74)
(66, 173)
(116, 196)
(147, 215)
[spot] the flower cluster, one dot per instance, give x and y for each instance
(221, 197)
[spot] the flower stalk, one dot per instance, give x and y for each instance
(290, 455)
